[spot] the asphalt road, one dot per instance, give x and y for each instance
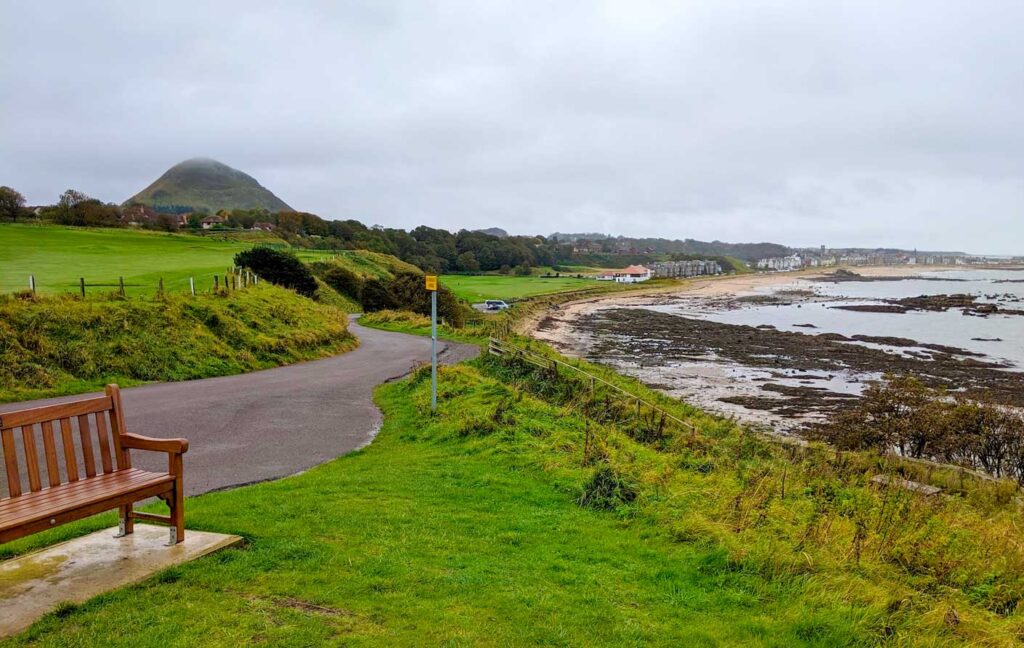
(278, 422)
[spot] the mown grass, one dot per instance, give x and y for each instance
(62, 344)
(477, 288)
(58, 256)
(464, 529)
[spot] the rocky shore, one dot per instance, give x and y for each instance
(785, 379)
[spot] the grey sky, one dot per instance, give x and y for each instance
(844, 123)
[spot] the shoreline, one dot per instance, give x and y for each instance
(783, 378)
(542, 326)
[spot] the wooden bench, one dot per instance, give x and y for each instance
(75, 486)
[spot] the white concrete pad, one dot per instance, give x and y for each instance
(79, 569)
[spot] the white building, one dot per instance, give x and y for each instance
(632, 274)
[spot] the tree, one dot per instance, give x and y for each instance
(66, 204)
(523, 270)
(467, 262)
(11, 203)
(280, 268)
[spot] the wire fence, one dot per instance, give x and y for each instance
(233, 278)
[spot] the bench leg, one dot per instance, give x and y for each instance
(127, 524)
(177, 503)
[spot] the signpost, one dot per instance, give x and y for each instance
(432, 287)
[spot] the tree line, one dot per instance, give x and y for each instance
(431, 249)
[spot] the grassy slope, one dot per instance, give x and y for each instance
(63, 344)
(362, 262)
(58, 256)
(462, 530)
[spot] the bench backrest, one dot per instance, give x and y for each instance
(56, 444)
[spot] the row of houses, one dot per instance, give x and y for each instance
(662, 269)
(687, 268)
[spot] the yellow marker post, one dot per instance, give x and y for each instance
(431, 284)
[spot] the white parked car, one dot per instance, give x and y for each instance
(495, 305)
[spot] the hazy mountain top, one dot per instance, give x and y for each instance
(202, 184)
(493, 231)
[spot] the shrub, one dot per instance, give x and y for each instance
(279, 268)
(408, 292)
(606, 490)
(376, 296)
(344, 281)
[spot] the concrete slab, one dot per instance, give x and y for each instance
(79, 569)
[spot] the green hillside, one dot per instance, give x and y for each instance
(62, 344)
(201, 184)
(59, 256)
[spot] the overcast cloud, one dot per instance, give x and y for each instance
(843, 123)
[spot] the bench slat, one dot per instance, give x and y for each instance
(85, 435)
(50, 451)
(70, 463)
(28, 440)
(54, 412)
(11, 462)
(83, 490)
(34, 524)
(101, 432)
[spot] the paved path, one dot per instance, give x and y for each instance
(268, 424)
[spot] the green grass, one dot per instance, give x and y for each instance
(463, 529)
(477, 288)
(362, 262)
(430, 537)
(59, 256)
(62, 344)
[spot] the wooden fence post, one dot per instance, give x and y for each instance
(192, 285)
(32, 283)
(216, 283)
(81, 284)
(227, 286)
(120, 282)
(161, 285)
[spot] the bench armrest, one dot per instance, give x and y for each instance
(171, 446)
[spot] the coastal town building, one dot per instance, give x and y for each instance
(630, 274)
(686, 268)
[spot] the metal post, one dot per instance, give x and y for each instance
(192, 285)
(433, 351)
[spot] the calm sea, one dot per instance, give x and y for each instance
(999, 337)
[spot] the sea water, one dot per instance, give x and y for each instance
(999, 338)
